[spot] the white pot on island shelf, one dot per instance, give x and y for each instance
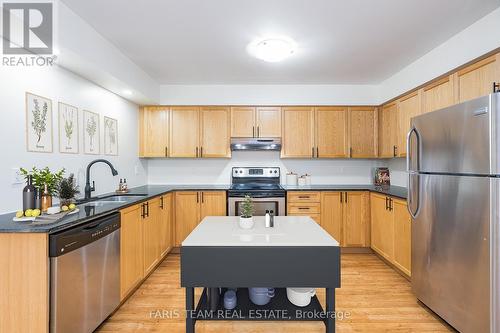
(246, 222)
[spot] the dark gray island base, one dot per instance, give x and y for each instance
(257, 265)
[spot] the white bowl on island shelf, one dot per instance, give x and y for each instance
(246, 222)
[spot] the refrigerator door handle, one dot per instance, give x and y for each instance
(409, 202)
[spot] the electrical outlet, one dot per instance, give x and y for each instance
(16, 176)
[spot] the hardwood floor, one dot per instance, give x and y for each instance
(376, 298)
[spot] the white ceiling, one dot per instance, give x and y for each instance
(340, 42)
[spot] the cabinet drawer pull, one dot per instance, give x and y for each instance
(304, 197)
(303, 208)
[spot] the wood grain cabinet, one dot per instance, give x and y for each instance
(256, 122)
(477, 79)
(131, 249)
(331, 132)
(409, 106)
(151, 234)
(438, 94)
(363, 132)
(154, 131)
(192, 206)
(298, 132)
(391, 231)
(302, 203)
(346, 216)
(165, 224)
(388, 130)
(199, 132)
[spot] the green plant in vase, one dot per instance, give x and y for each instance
(247, 210)
(68, 190)
(44, 177)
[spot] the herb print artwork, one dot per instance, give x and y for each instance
(110, 136)
(38, 123)
(91, 142)
(68, 129)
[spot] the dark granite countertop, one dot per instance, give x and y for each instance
(146, 192)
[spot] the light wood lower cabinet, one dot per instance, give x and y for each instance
(345, 215)
(166, 225)
(303, 203)
(391, 231)
(151, 235)
(192, 206)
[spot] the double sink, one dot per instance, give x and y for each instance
(112, 199)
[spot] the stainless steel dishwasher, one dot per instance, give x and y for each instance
(84, 275)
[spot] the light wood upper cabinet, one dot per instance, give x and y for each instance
(153, 131)
(331, 214)
(331, 132)
(131, 249)
(184, 131)
(213, 203)
(402, 236)
(165, 224)
(268, 121)
(298, 132)
(242, 122)
(356, 217)
(382, 226)
(215, 132)
(438, 95)
(363, 132)
(409, 106)
(477, 79)
(388, 130)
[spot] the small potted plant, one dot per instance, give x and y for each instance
(247, 209)
(46, 183)
(67, 190)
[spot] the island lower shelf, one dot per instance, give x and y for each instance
(278, 309)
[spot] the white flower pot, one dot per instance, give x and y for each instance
(246, 222)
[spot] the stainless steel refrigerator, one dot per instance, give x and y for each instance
(453, 164)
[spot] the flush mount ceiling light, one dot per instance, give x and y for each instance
(272, 49)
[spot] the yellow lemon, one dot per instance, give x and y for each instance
(72, 206)
(64, 208)
(28, 212)
(20, 213)
(36, 212)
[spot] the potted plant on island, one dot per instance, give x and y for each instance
(247, 210)
(67, 191)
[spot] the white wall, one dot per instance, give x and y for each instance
(218, 171)
(61, 85)
(291, 94)
(397, 168)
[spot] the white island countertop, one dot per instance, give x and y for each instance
(287, 231)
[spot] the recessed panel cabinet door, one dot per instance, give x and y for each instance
(151, 235)
(184, 132)
(215, 132)
(477, 79)
(388, 130)
(331, 214)
(402, 236)
(331, 132)
(165, 227)
(409, 106)
(187, 214)
(356, 228)
(298, 132)
(131, 249)
(213, 203)
(363, 132)
(268, 122)
(382, 226)
(153, 131)
(438, 95)
(243, 122)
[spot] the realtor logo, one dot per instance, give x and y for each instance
(27, 28)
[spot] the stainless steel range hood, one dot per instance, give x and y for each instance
(256, 144)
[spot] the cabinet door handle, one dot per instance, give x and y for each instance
(253, 131)
(345, 197)
(202, 198)
(258, 131)
(166, 151)
(390, 204)
(201, 152)
(317, 152)
(386, 203)
(312, 152)
(196, 152)
(161, 202)
(147, 209)
(341, 195)
(197, 197)
(143, 210)
(496, 87)
(350, 152)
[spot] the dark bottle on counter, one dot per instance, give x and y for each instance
(38, 198)
(29, 194)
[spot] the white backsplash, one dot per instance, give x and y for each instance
(397, 169)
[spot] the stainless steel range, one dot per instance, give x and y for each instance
(262, 185)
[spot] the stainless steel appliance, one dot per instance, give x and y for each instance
(454, 198)
(84, 275)
(262, 185)
(255, 144)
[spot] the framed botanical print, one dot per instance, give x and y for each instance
(91, 133)
(110, 136)
(68, 129)
(38, 123)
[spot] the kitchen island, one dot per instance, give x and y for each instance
(297, 252)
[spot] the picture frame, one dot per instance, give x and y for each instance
(68, 129)
(110, 136)
(91, 133)
(382, 177)
(39, 136)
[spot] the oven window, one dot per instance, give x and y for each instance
(260, 207)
